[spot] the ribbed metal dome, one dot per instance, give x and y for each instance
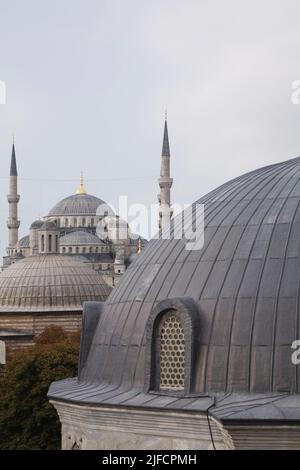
(79, 238)
(245, 282)
(49, 283)
(77, 204)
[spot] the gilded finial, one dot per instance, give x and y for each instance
(139, 246)
(81, 189)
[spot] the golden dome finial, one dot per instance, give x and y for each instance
(81, 189)
(139, 246)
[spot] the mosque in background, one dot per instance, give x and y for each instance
(70, 228)
(64, 261)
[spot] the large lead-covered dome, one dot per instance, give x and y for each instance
(244, 281)
(49, 283)
(77, 204)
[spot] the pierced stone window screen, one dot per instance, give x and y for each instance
(172, 354)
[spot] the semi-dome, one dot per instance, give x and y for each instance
(48, 225)
(51, 283)
(77, 204)
(24, 242)
(79, 237)
(242, 286)
(36, 224)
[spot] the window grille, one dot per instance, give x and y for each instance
(172, 354)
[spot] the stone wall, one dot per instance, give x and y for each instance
(118, 428)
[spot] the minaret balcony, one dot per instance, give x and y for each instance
(13, 223)
(13, 198)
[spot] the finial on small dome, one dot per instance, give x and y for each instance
(81, 189)
(139, 246)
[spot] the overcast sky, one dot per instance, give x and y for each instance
(88, 82)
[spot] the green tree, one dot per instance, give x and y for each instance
(27, 419)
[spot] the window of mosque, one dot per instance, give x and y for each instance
(83, 222)
(43, 243)
(66, 222)
(77, 249)
(172, 354)
(64, 249)
(2, 353)
(70, 249)
(92, 222)
(56, 243)
(96, 250)
(91, 249)
(75, 222)
(83, 249)
(50, 242)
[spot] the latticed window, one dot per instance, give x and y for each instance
(172, 354)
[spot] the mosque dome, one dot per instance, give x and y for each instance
(36, 224)
(77, 204)
(49, 283)
(241, 290)
(48, 225)
(24, 242)
(79, 238)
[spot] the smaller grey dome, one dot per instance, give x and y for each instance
(79, 237)
(36, 224)
(24, 242)
(49, 225)
(49, 283)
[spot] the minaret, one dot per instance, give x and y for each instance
(165, 182)
(13, 198)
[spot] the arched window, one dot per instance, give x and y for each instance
(77, 249)
(83, 249)
(172, 346)
(50, 243)
(70, 249)
(64, 249)
(43, 243)
(171, 353)
(75, 222)
(83, 222)
(56, 243)
(97, 249)
(91, 249)
(66, 222)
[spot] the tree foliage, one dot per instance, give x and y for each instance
(27, 419)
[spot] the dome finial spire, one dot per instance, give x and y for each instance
(81, 189)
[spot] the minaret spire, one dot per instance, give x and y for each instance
(13, 162)
(165, 182)
(13, 198)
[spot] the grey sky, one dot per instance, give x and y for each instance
(88, 82)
